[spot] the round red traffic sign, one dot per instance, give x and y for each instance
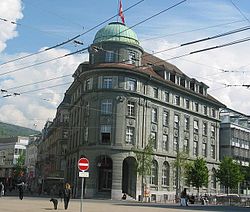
(83, 164)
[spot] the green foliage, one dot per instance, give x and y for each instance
(229, 173)
(180, 161)
(9, 130)
(144, 158)
(19, 169)
(197, 173)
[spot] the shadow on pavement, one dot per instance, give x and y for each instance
(191, 208)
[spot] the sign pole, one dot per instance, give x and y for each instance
(83, 165)
(82, 194)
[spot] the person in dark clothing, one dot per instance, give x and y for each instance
(21, 188)
(66, 195)
(184, 197)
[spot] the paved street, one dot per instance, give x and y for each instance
(33, 204)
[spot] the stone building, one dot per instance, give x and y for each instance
(119, 99)
(235, 138)
(51, 157)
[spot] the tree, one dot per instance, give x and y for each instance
(19, 169)
(229, 173)
(197, 173)
(144, 159)
(179, 164)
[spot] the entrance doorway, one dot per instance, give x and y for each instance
(105, 169)
(129, 176)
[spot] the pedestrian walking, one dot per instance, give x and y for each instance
(184, 198)
(66, 195)
(20, 189)
(1, 189)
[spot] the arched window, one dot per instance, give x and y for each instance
(154, 173)
(213, 179)
(165, 174)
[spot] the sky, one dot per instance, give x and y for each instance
(31, 26)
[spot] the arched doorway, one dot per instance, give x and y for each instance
(105, 168)
(129, 176)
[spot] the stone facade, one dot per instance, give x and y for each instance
(119, 100)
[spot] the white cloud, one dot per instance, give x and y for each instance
(11, 10)
(37, 107)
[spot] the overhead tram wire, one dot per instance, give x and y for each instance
(206, 39)
(213, 47)
(143, 21)
(46, 61)
(194, 30)
(239, 10)
(28, 26)
(42, 81)
(71, 39)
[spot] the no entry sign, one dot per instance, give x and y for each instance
(83, 164)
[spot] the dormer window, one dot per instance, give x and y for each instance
(172, 78)
(109, 56)
(132, 57)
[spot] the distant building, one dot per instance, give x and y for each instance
(31, 161)
(10, 150)
(119, 99)
(52, 148)
(235, 137)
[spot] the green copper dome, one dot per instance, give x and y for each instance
(116, 32)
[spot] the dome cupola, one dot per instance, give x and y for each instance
(115, 43)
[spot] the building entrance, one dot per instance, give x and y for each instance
(129, 176)
(105, 168)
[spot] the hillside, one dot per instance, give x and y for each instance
(8, 130)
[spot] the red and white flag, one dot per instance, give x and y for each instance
(121, 12)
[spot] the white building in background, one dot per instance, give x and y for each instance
(10, 150)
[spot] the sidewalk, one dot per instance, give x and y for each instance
(34, 204)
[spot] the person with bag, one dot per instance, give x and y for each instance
(66, 195)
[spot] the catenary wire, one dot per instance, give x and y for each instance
(71, 39)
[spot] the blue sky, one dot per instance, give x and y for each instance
(44, 23)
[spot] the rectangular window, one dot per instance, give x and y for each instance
(187, 122)
(154, 115)
(131, 108)
(106, 106)
(186, 146)
(204, 128)
(88, 84)
(165, 142)
(213, 113)
(177, 100)
(196, 126)
(105, 134)
(205, 110)
(130, 135)
(155, 92)
(176, 121)
(187, 104)
(196, 107)
(109, 56)
(204, 149)
(153, 137)
(166, 96)
(212, 131)
(175, 144)
(165, 118)
(131, 84)
(107, 82)
(86, 134)
(132, 57)
(195, 149)
(213, 151)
